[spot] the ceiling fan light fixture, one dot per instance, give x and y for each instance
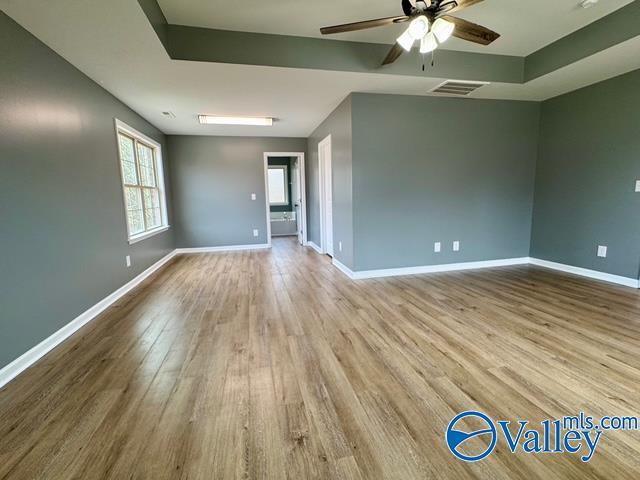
(442, 29)
(418, 27)
(424, 17)
(406, 40)
(428, 43)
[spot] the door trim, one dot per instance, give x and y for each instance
(303, 192)
(322, 191)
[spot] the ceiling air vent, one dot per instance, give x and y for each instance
(458, 87)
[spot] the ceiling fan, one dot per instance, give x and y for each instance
(430, 24)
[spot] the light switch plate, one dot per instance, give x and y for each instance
(253, 196)
(637, 185)
(127, 259)
(437, 247)
(602, 251)
(255, 232)
(456, 246)
(340, 246)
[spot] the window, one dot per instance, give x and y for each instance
(142, 183)
(278, 185)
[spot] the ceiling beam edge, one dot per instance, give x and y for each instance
(246, 48)
(615, 28)
(156, 18)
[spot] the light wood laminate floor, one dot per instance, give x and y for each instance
(273, 365)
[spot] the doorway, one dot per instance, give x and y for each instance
(284, 174)
(326, 196)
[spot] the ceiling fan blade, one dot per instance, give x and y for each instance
(461, 4)
(471, 31)
(393, 54)
(352, 27)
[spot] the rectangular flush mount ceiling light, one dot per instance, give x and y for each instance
(216, 120)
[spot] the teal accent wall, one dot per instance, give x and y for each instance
(429, 169)
(286, 162)
(339, 125)
(587, 167)
(63, 227)
(213, 179)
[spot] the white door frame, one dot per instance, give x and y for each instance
(322, 188)
(303, 192)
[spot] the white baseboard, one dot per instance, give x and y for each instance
(344, 269)
(10, 371)
(585, 272)
(230, 248)
(314, 246)
(447, 267)
(452, 267)
(27, 359)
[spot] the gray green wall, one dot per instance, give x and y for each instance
(429, 169)
(62, 222)
(339, 125)
(213, 179)
(587, 167)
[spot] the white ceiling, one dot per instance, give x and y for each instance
(113, 43)
(525, 25)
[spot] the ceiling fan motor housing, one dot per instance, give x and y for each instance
(434, 7)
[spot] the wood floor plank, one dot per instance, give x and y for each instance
(274, 365)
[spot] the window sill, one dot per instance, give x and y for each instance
(149, 234)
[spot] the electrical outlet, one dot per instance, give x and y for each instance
(340, 246)
(637, 185)
(437, 247)
(128, 260)
(456, 246)
(253, 196)
(602, 251)
(255, 232)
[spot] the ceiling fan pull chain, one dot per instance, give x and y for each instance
(433, 58)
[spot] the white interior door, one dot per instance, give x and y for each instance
(324, 155)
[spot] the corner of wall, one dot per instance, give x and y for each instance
(535, 178)
(339, 125)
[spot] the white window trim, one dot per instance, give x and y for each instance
(122, 127)
(286, 185)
